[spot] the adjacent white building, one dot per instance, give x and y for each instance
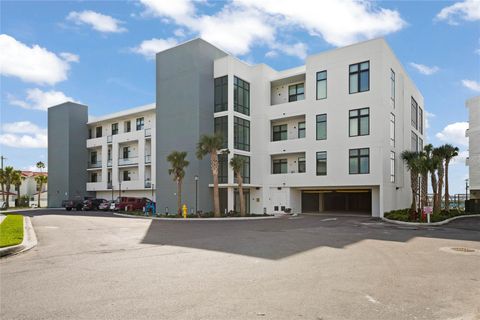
(473, 134)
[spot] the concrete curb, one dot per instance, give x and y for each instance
(198, 219)
(439, 223)
(29, 240)
(28, 210)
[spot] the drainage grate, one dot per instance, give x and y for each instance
(463, 249)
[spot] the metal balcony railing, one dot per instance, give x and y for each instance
(148, 158)
(148, 132)
(126, 161)
(96, 164)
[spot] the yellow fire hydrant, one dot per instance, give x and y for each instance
(184, 211)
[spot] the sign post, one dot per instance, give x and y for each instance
(427, 211)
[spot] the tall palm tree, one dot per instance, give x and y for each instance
(17, 179)
(440, 153)
(177, 170)
(41, 179)
(237, 164)
(211, 144)
(450, 153)
(8, 174)
(411, 159)
(433, 162)
(40, 165)
(423, 170)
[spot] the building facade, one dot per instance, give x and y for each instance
(325, 136)
(473, 134)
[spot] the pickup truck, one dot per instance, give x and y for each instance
(76, 204)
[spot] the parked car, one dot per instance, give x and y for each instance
(130, 203)
(76, 204)
(105, 206)
(93, 204)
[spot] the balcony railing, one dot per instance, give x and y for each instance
(109, 139)
(148, 184)
(148, 132)
(96, 164)
(148, 158)
(127, 161)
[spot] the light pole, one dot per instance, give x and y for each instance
(152, 185)
(466, 189)
(196, 194)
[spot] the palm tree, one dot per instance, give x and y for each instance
(433, 162)
(411, 159)
(8, 174)
(41, 179)
(17, 179)
(2, 182)
(423, 170)
(211, 145)
(177, 170)
(450, 153)
(440, 153)
(237, 164)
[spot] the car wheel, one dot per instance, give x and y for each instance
(68, 209)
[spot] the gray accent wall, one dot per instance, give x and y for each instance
(67, 152)
(184, 112)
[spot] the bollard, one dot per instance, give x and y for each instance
(184, 211)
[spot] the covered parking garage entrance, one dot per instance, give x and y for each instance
(356, 200)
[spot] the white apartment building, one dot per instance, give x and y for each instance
(473, 134)
(121, 153)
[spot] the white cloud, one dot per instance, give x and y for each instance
(298, 49)
(148, 48)
(179, 33)
(460, 159)
(40, 100)
(423, 69)
(468, 10)
(69, 57)
(454, 133)
(428, 116)
(23, 134)
(33, 64)
(471, 84)
(271, 54)
(477, 51)
(97, 21)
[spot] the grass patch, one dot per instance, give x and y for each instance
(404, 215)
(11, 230)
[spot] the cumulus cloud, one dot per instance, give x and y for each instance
(148, 48)
(454, 133)
(37, 99)
(468, 10)
(423, 69)
(428, 116)
(23, 134)
(471, 84)
(460, 159)
(33, 64)
(98, 21)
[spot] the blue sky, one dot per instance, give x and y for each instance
(101, 54)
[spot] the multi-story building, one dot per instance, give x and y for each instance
(326, 136)
(473, 134)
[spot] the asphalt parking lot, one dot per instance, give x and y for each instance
(99, 266)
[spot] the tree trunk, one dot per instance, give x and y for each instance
(447, 196)
(240, 194)
(424, 190)
(216, 198)
(433, 178)
(18, 196)
(179, 196)
(414, 186)
(39, 193)
(8, 195)
(441, 174)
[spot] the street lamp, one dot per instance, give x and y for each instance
(196, 194)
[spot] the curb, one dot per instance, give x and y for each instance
(439, 223)
(198, 219)
(29, 240)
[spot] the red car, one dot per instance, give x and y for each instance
(130, 203)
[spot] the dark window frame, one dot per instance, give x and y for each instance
(278, 130)
(319, 74)
(392, 139)
(98, 132)
(114, 128)
(245, 170)
(319, 121)
(294, 97)
(358, 74)
(392, 167)
(277, 163)
(420, 120)
(127, 126)
(221, 94)
(245, 124)
(220, 125)
(321, 157)
(414, 140)
(302, 164)
(414, 113)
(140, 123)
(302, 130)
(392, 87)
(358, 118)
(358, 157)
(241, 87)
(223, 168)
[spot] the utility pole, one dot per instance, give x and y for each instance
(3, 190)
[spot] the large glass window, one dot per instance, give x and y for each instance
(296, 92)
(414, 113)
(126, 152)
(392, 166)
(279, 132)
(420, 120)
(321, 85)
(221, 94)
(245, 172)
(221, 127)
(359, 122)
(359, 161)
(140, 123)
(414, 142)
(246, 197)
(223, 168)
(93, 157)
(420, 144)
(279, 166)
(392, 130)
(301, 164)
(392, 87)
(301, 129)
(241, 136)
(241, 96)
(359, 77)
(114, 128)
(322, 163)
(321, 127)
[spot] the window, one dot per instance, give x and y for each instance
(221, 94)
(279, 132)
(359, 77)
(241, 134)
(114, 128)
(296, 92)
(392, 166)
(93, 177)
(222, 168)
(301, 164)
(127, 126)
(126, 175)
(392, 87)
(392, 130)
(98, 132)
(321, 127)
(245, 172)
(93, 157)
(241, 96)
(90, 133)
(414, 114)
(126, 152)
(420, 120)
(221, 127)
(322, 163)
(301, 129)
(109, 176)
(359, 161)
(414, 143)
(420, 144)
(279, 166)
(359, 122)
(140, 123)
(321, 85)
(109, 154)
(246, 197)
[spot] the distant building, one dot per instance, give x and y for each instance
(473, 134)
(29, 187)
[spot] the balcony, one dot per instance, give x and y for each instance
(148, 132)
(148, 159)
(288, 89)
(127, 161)
(95, 164)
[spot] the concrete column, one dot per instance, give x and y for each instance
(231, 198)
(376, 202)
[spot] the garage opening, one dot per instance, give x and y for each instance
(337, 200)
